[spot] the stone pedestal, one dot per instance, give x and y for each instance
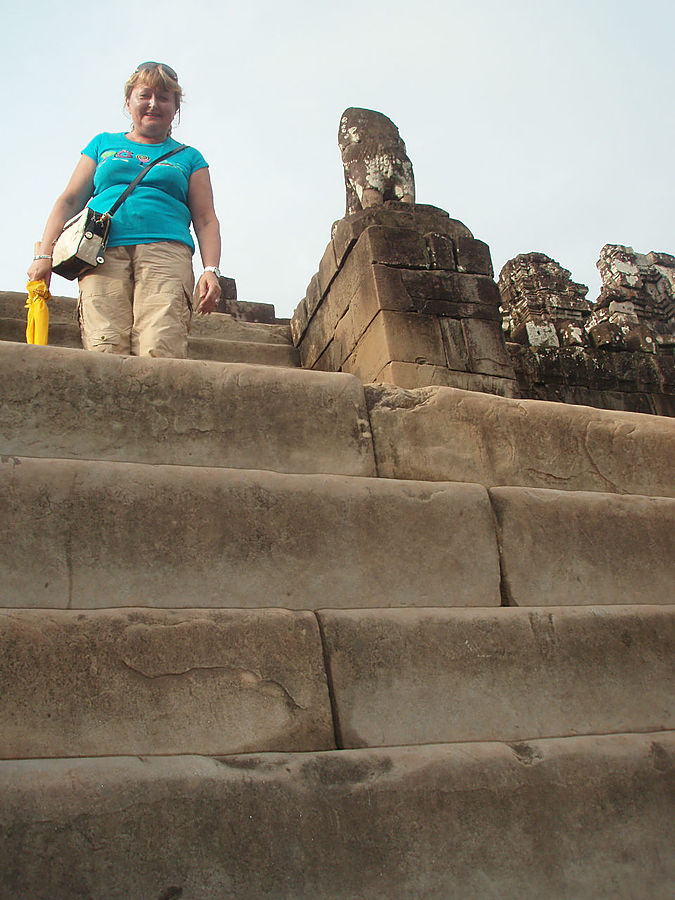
(405, 295)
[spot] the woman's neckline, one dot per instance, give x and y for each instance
(145, 143)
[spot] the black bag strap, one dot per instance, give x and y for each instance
(120, 200)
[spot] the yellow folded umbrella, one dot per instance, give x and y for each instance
(37, 324)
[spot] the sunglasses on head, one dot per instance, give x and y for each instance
(155, 65)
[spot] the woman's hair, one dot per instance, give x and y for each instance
(157, 76)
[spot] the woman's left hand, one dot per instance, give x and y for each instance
(208, 292)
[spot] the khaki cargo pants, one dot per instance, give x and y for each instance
(139, 301)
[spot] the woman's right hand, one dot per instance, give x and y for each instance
(40, 270)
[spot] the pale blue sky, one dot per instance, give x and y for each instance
(541, 125)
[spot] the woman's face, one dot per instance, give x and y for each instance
(152, 111)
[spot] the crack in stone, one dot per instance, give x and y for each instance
(257, 682)
(593, 463)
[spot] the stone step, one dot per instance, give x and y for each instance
(446, 434)
(217, 337)
(403, 676)
(215, 349)
(120, 534)
(61, 334)
(64, 403)
(63, 310)
(146, 681)
(215, 682)
(96, 534)
(250, 352)
(581, 818)
(561, 548)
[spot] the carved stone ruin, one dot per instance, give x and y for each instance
(375, 161)
(543, 307)
(560, 341)
(636, 306)
(404, 293)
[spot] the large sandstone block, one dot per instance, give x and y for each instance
(64, 403)
(142, 681)
(396, 336)
(572, 817)
(415, 375)
(93, 534)
(448, 434)
(559, 548)
(430, 675)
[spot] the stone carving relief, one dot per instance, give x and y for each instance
(375, 161)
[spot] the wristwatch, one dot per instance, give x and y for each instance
(214, 269)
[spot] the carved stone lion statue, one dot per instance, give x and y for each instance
(375, 161)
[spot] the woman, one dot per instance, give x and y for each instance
(139, 301)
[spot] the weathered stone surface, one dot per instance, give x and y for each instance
(65, 403)
(448, 434)
(60, 334)
(397, 283)
(143, 681)
(62, 310)
(456, 352)
(259, 349)
(646, 280)
(571, 817)
(538, 333)
(178, 536)
(327, 269)
(346, 232)
(537, 291)
(318, 334)
(629, 381)
(486, 348)
(231, 328)
(393, 247)
(228, 291)
(605, 333)
(376, 165)
(441, 251)
(452, 293)
(561, 548)
(425, 219)
(380, 288)
(473, 257)
(396, 336)
(299, 321)
(247, 311)
(431, 218)
(432, 675)
(410, 376)
(250, 352)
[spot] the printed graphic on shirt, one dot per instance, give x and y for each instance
(143, 159)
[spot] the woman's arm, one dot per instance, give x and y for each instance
(207, 229)
(78, 191)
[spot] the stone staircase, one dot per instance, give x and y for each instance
(218, 336)
(269, 632)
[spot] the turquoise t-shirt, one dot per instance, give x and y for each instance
(157, 208)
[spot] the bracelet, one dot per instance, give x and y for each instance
(41, 257)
